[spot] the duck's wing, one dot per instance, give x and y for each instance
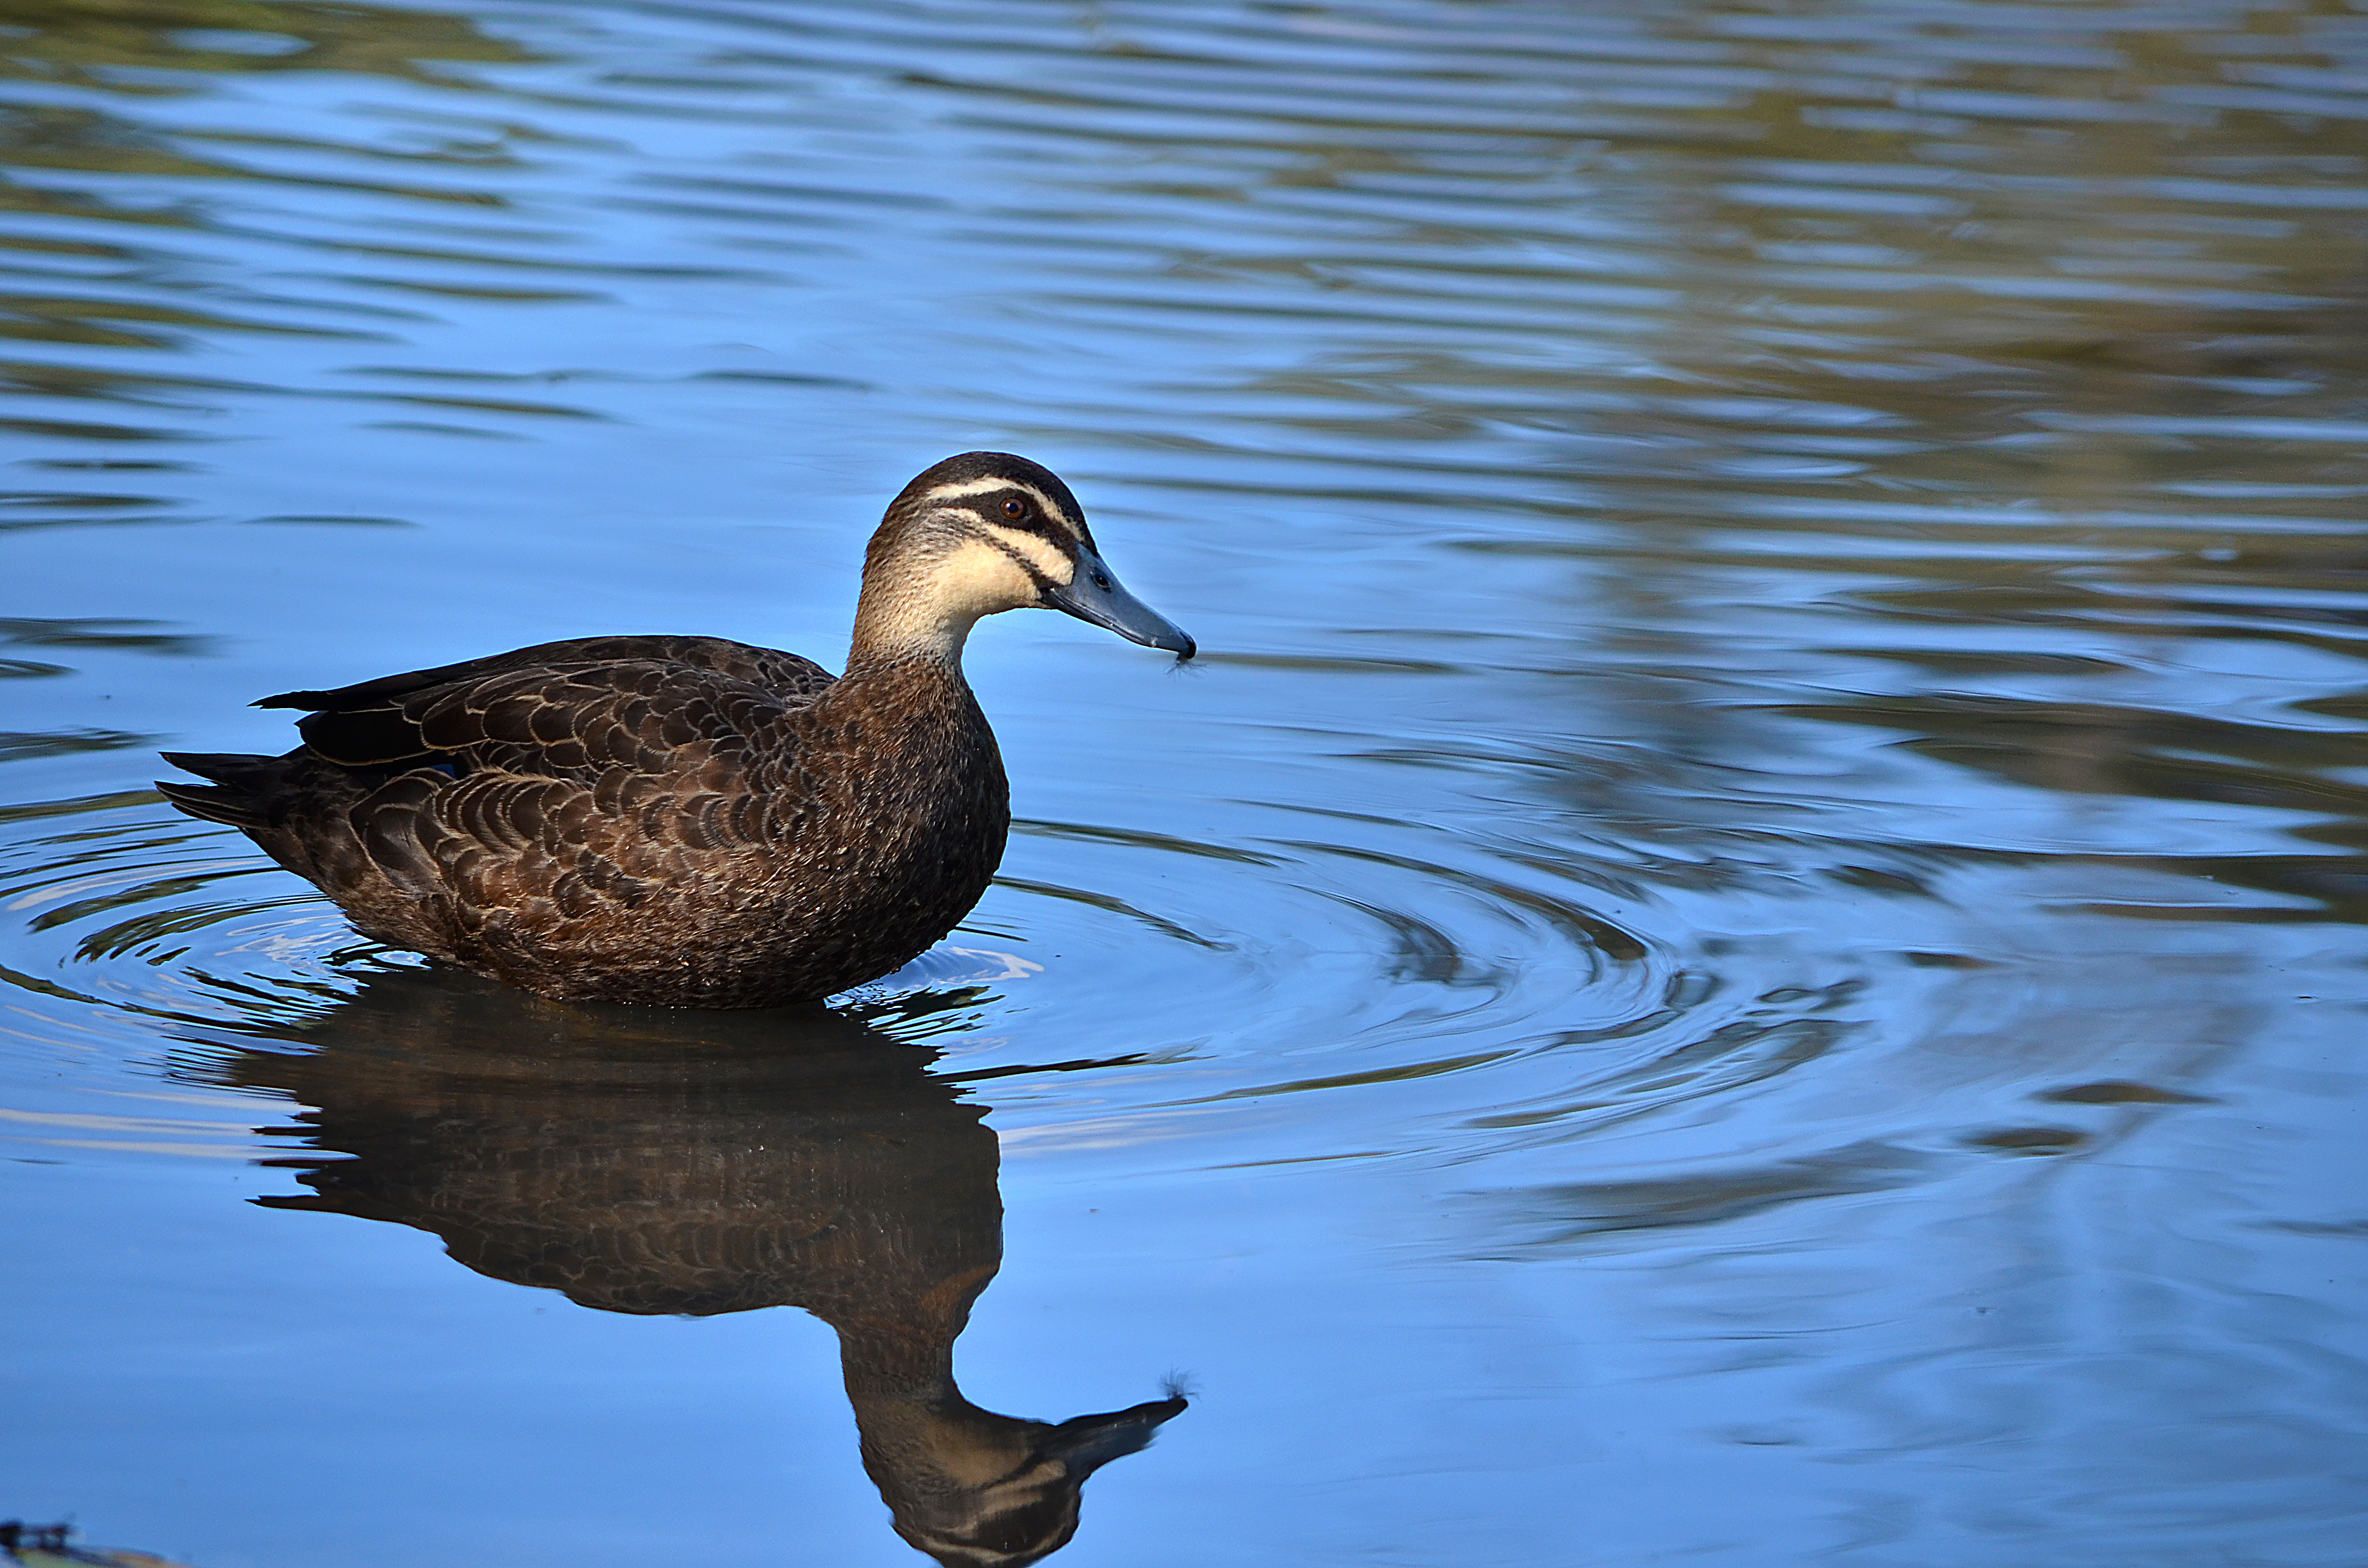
(503, 801)
(573, 710)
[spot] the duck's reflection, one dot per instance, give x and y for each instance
(646, 1161)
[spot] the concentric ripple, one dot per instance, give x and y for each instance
(1440, 992)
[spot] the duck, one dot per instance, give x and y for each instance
(685, 821)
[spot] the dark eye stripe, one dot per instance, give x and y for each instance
(1034, 522)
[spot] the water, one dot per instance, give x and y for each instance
(1744, 947)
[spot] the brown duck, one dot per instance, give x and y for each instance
(685, 821)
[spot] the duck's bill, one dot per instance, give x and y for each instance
(1096, 595)
(1087, 1443)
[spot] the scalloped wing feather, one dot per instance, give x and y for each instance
(380, 722)
(579, 789)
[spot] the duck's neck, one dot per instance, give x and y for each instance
(901, 626)
(934, 1455)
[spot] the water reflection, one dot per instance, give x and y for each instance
(652, 1162)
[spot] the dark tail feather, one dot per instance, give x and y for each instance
(238, 770)
(310, 701)
(212, 804)
(238, 784)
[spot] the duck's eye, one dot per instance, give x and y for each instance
(1015, 509)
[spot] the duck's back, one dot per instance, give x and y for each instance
(680, 820)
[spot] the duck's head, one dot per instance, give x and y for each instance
(978, 1490)
(982, 533)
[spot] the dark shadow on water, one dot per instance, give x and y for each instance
(648, 1161)
(2088, 748)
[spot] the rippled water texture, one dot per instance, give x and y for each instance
(1745, 947)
